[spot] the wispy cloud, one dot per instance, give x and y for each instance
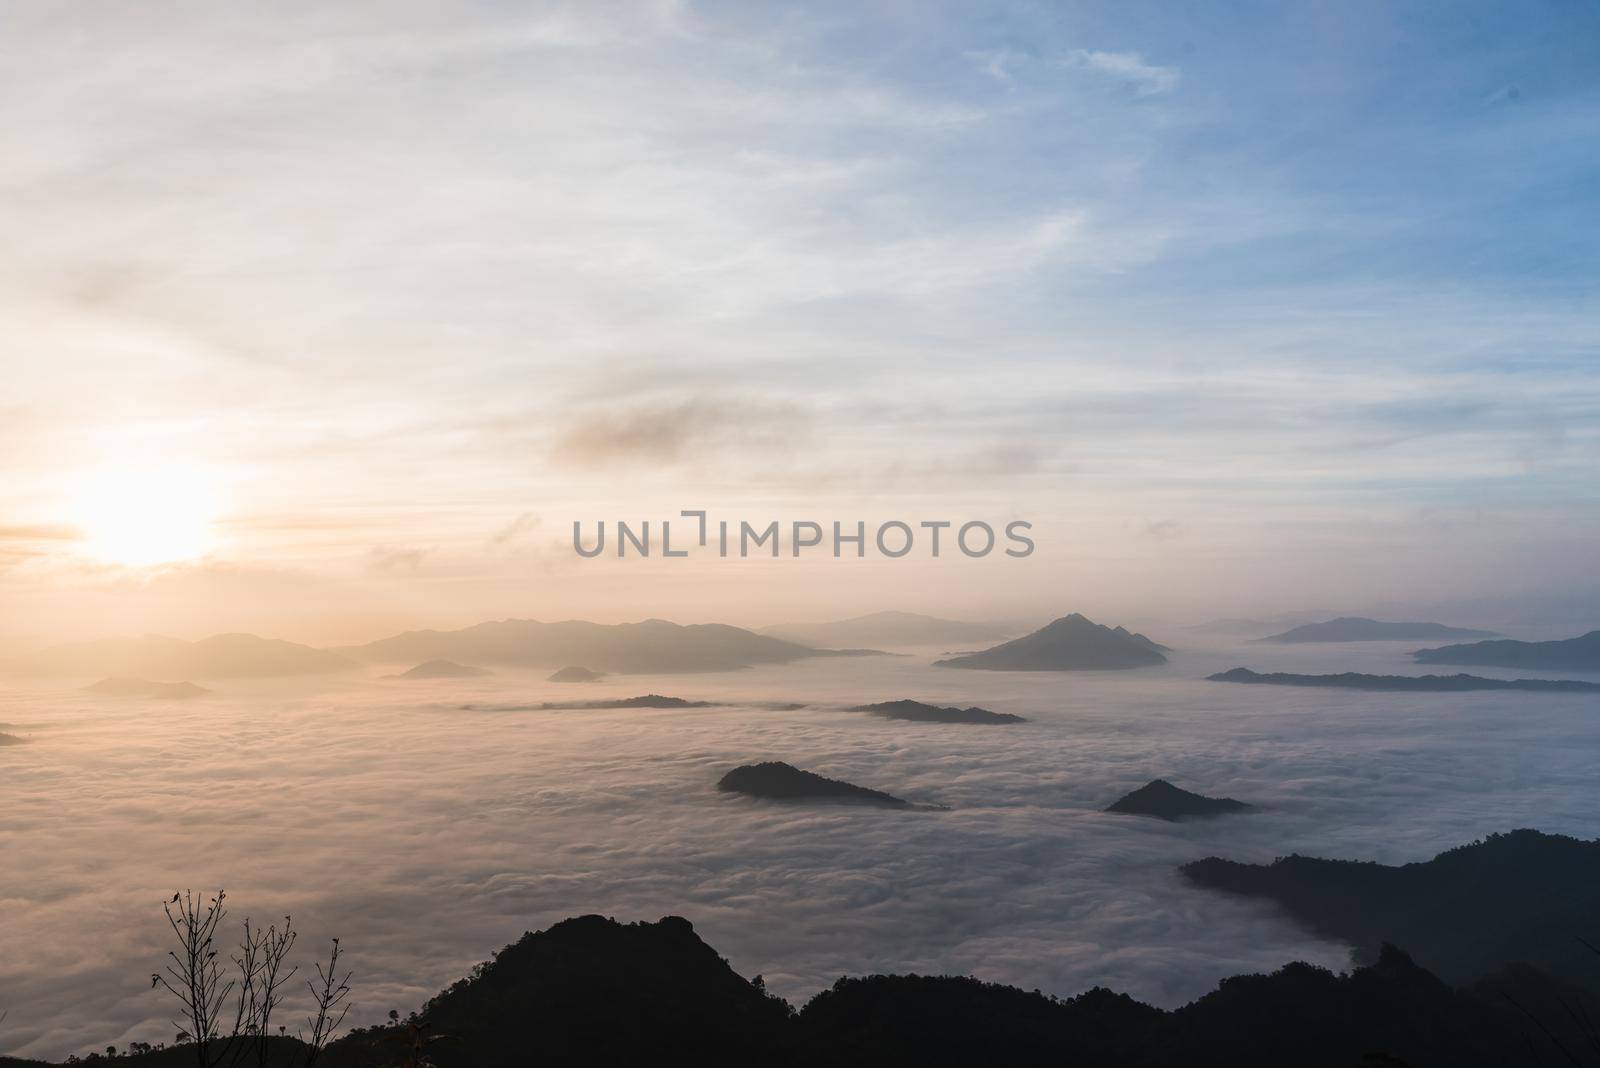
(1145, 79)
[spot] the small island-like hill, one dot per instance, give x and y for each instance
(575, 673)
(1161, 799)
(917, 712)
(130, 687)
(442, 669)
(1071, 643)
(776, 781)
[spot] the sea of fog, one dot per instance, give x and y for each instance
(426, 836)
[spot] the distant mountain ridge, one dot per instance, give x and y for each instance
(220, 656)
(1351, 680)
(887, 629)
(654, 646)
(1361, 629)
(1568, 654)
(1071, 643)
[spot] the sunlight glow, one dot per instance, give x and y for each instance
(148, 514)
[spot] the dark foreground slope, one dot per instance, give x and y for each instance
(1522, 896)
(1351, 680)
(591, 991)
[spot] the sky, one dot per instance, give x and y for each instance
(325, 320)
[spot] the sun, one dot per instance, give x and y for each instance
(140, 515)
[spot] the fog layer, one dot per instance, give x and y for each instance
(426, 835)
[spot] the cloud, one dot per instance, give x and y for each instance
(1128, 67)
(426, 837)
(396, 558)
(667, 433)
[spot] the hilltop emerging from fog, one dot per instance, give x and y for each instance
(1071, 643)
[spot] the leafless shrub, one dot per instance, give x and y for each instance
(330, 992)
(194, 976)
(192, 973)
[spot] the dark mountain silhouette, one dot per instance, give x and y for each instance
(918, 712)
(152, 656)
(887, 629)
(1351, 680)
(442, 669)
(1358, 629)
(654, 646)
(1570, 654)
(9, 739)
(125, 687)
(777, 781)
(1517, 897)
(574, 673)
(1071, 643)
(592, 991)
(1165, 801)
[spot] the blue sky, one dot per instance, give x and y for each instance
(1266, 303)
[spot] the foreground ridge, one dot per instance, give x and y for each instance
(591, 990)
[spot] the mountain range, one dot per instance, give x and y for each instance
(1360, 629)
(654, 646)
(889, 630)
(221, 656)
(1570, 654)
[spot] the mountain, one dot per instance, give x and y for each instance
(442, 669)
(125, 687)
(777, 781)
(1517, 897)
(1357, 629)
(1351, 680)
(918, 712)
(221, 656)
(1071, 643)
(887, 629)
(573, 673)
(654, 646)
(649, 700)
(1161, 799)
(593, 991)
(9, 739)
(1570, 654)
